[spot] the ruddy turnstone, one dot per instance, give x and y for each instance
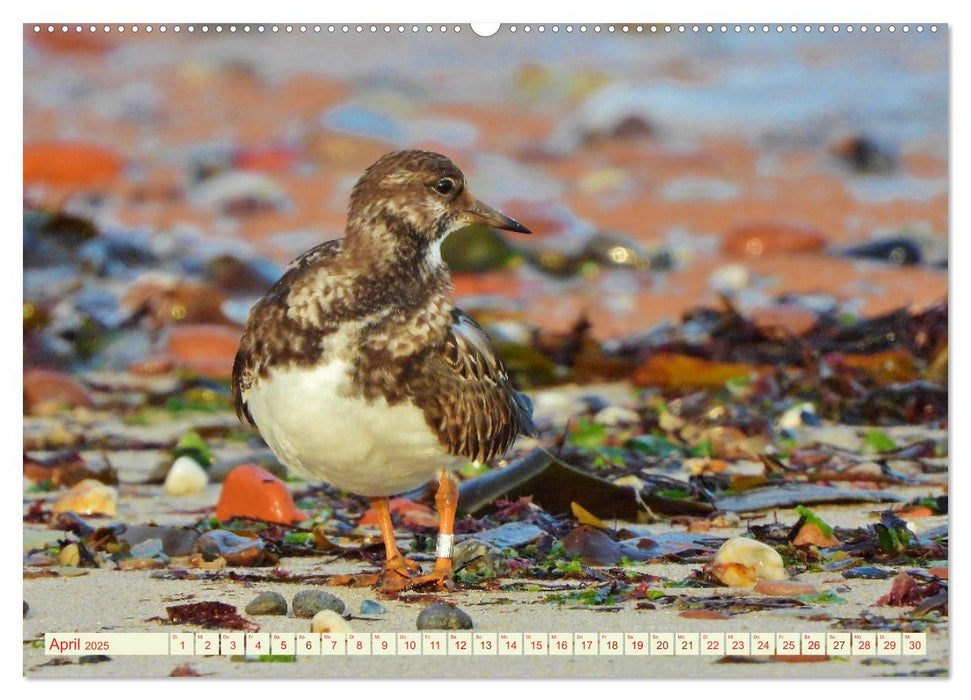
(357, 368)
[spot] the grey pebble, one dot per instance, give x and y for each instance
(475, 556)
(269, 603)
(439, 616)
(370, 607)
(26, 608)
(147, 549)
(309, 602)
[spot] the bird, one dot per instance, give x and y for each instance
(358, 369)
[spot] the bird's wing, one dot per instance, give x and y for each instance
(467, 397)
(273, 334)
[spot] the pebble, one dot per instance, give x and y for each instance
(370, 607)
(147, 548)
(742, 562)
(199, 562)
(70, 164)
(616, 415)
(26, 608)
(93, 659)
(88, 497)
(46, 390)
(69, 555)
(784, 588)
(475, 556)
(235, 549)
(329, 621)
(186, 477)
(268, 603)
(867, 572)
(811, 534)
(39, 559)
(309, 602)
(207, 349)
(896, 251)
(513, 534)
(773, 238)
(252, 492)
(439, 616)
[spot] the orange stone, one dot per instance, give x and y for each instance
(252, 492)
(208, 349)
(704, 615)
(46, 387)
(677, 371)
(771, 238)
(810, 534)
(783, 588)
(69, 164)
(915, 512)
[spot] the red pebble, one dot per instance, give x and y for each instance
(772, 238)
(252, 492)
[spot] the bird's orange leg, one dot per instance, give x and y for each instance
(398, 571)
(447, 501)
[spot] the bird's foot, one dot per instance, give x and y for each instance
(399, 573)
(439, 578)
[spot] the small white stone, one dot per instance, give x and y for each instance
(743, 562)
(186, 477)
(329, 621)
(616, 415)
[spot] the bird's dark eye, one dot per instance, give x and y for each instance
(444, 186)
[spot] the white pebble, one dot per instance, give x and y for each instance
(616, 415)
(743, 562)
(185, 478)
(329, 621)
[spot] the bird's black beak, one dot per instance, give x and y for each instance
(480, 213)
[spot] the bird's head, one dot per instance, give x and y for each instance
(418, 196)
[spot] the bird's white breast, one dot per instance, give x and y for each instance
(371, 449)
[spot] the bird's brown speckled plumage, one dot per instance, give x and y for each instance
(378, 300)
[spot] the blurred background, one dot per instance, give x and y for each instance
(169, 179)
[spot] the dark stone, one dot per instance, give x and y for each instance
(439, 616)
(309, 602)
(896, 251)
(867, 572)
(93, 659)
